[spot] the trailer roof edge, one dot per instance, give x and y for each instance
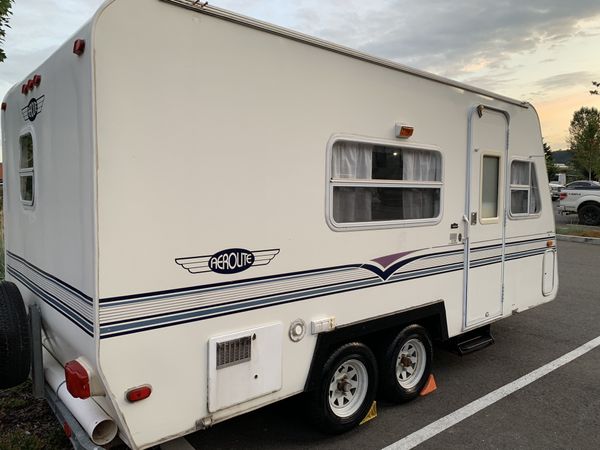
(204, 8)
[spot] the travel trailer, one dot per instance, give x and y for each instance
(208, 214)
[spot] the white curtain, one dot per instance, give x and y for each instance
(352, 160)
(420, 165)
(519, 173)
(534, 198)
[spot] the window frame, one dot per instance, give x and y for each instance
(500, 199)
(522, 187)
(29, 171)
(330, 183)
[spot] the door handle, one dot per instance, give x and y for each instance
(474, 218)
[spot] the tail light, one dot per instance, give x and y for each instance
(563, 195)
(78, 379)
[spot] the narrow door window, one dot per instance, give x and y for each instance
(490, 174)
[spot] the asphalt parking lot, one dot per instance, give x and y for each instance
(557, 411)
(563, 219)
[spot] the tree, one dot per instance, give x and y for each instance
(584, 139)
(5, 12)
(550, 165)
(597, 85)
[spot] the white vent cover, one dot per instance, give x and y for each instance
(244, 365)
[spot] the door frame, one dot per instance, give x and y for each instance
(479, 110)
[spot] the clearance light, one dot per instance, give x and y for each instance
(79, 47)
(24, 89)
(4, 106)
(549, 243)
(78, 380)
(67, 429)
(30, 85)
(138, 393)
(37, 80)
(403, 131)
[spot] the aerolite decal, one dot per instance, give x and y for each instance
(228, 261)
(33, 108)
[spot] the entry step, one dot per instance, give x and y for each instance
(472, 341)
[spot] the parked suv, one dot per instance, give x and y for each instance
(582, 197)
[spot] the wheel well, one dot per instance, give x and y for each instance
(375, 332)
(588, 202)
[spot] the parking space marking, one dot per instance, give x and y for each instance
(434, 428)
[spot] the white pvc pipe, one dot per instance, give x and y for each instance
(98, 425)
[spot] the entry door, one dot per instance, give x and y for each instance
(485, 215)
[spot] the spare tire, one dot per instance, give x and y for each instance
(15, 342)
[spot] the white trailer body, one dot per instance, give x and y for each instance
(194, 177)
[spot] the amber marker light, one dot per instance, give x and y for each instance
(403, 131)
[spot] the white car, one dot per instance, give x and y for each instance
(555, 189)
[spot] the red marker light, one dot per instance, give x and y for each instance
(24, 89)
(67, 429)
(138, 393)
(78, 380)
(30, 85)
(4, 106)
(37, 80)
(79, 47)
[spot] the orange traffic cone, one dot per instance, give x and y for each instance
(429, 387)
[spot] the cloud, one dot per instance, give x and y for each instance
(565, 80)
(448, 37)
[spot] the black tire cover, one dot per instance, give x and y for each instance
(15, 342)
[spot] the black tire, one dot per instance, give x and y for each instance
(15, 343)
(589, 215)
(392, 387)
(325, 416)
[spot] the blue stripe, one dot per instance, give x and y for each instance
(51, 278)
(74, 316)
(169, 319)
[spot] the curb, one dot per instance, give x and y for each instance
(580, 239)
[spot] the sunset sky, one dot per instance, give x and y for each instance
(543, 51)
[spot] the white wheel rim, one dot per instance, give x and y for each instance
(348, 388)
(410, 364)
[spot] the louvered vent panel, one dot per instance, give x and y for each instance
(233, 352)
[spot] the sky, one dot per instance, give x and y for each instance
(544, 51)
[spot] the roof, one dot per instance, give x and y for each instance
(204, 8)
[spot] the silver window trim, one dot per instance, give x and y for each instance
(28, 171)
(522, 187)
(331, 182)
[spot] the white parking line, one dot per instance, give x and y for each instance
(425, 433)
